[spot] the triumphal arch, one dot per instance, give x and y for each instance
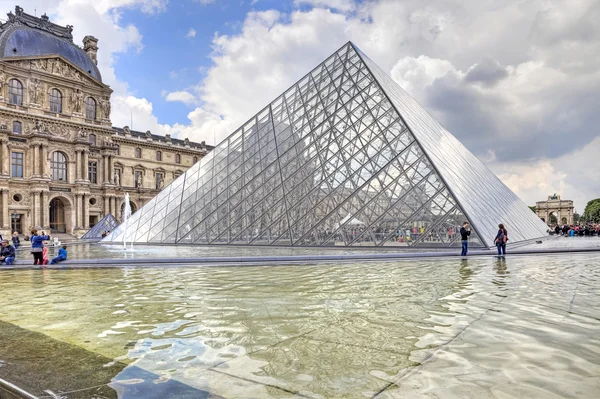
(562, 209)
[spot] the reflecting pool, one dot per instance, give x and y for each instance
(523, 326)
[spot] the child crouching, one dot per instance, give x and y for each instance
(62, 255)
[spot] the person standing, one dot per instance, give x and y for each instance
(465, 232)
(15, 240)
(501, 239)
(7, 253)
(37, 247)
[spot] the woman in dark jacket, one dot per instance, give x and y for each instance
(501, 239)
(37, 247)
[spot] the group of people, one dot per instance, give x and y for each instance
(500, 239)
(38, 249)
(588, 229)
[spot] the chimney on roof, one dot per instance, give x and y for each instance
(90, 46)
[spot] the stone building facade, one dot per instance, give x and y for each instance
(63, 166)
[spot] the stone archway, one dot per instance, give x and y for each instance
(133, 205)
(555, 210)
(60, 212)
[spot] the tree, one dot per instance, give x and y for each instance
(576, 218)
(592, 211)
(533, 209)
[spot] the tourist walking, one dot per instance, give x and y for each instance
(465, 232)
(501, 239)
(16, 241)
(7, 253)
(37, 246)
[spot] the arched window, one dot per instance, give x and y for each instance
(59, 166)
(195, 159)
(177, 158)
(55, 101)
(158, 155)
(92, 139)
(138, 152)
(90, 108)
(17, 127)
(15, 92)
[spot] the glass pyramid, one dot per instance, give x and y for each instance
(344, 157)
(107, 223)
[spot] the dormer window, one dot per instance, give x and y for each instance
(90, 109)
(15, 92)
(55, 101)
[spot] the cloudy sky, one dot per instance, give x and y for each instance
(517, 81)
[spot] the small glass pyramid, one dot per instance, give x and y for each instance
(345, 157)
(107, 224)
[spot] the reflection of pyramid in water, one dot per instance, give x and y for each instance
(107, 223)
(344, 157)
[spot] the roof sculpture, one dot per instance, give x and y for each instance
(107, 224)
(345, 157)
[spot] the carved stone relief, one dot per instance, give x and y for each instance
(76, 101)
(24, 198)
(105, 107)
(35, 92)
(43, 127)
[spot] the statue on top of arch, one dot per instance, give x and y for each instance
(554, 197)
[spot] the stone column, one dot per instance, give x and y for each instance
(5, 158)
(35, 200)
(105, 167)
(85, 165)
(110, 168)
(106, 205)
(36, 161)
(46, 208)
(77, 165)
(86, 211)
(44, 160)
(112, 205)
(78, 210)
(5, 215)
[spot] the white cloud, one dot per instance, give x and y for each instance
(191, 33)
(570, 175)
(181, 96)
(340, 5)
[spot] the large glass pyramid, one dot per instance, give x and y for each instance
(345, 157)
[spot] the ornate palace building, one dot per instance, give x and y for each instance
(63, 166)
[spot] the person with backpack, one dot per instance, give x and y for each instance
(501, 239)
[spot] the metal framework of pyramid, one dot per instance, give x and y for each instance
(345, 157)
(107, 223)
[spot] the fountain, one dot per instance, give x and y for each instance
(126, 216)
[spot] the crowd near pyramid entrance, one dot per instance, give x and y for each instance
(345, 157)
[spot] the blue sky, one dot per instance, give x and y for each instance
(170, 59)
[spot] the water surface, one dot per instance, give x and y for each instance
(523, 326)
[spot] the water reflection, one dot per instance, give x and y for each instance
(324, 330)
